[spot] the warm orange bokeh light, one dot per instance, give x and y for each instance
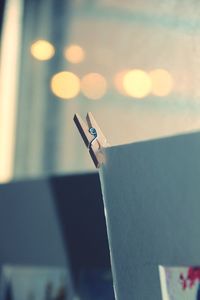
(118, 82)
(74, 54)
(162, 82)
(137, 83)
(93, 86)
(65, 85)
(42, 50)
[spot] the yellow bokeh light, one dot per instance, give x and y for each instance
(74, 54)
(65, 85)
(137, 83)
(162, 82)
(118, 82)
(42, 50)
(93, 86)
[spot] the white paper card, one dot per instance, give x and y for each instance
(180, 283)
(151, 194)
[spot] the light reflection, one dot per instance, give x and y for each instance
(118, 82)
(93, 86)
(162, 82)
(137, 83)
(9, 76)
(74, 54)
(42, 50)
(65, 85)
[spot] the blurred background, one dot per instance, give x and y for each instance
(134, 64)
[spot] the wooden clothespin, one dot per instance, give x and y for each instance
(93, 137)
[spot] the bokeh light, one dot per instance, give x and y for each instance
(137, 83)
(65, 85)
(162, 82)
(74, 54)
(42, 50)
(118, 82)
(93, 86)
